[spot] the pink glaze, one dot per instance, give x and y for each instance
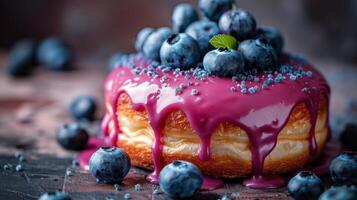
(264, 182)
(262, 115)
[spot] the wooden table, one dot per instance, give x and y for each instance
(31, 109)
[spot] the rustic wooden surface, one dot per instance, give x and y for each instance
(31, 109)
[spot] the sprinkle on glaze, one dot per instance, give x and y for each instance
(270, 94)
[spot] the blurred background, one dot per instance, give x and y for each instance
(97, 28)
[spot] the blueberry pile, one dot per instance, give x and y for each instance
(343, 173)
(226, 42)
(51, 53)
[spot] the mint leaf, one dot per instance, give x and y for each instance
(223, 41)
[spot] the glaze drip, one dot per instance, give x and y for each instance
(262, 114)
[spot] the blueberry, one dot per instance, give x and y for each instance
(258, 54)
(183, 15)
(273, 36)
(239, 23)
(213, 9)
(202, 31)
(55, 196)
(343, 169)
(348, 135)
(180, 51)
(141, 38)
(72, 136)
(152, 45)
(54, 54)
(180, 179)
(83, 108)
(21, 58)
(340, 193)
(223, 62)
(305, 185)
(109, 164)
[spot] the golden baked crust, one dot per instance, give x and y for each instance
(230, 145)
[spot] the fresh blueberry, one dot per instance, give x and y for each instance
(258, 54)
(55, 196)
(83, 108)
(180, 179)
(238, 23)
(180, 51)
(223, 62)
(273, 36)
(152, 45)
(141, 38)
(343, 169)
(305, 186)
(183, 15)
(340, 193)
(72, 136)
(213, 9)
(202, 31)
(21, 58)
(54, 54)
(109, 164)
(348, 135)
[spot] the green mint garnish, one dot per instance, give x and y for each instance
(223, 41)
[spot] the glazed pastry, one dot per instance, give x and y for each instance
(231, 124)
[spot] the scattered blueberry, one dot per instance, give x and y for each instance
(69, 172)
(141, 38)
(19, 156)
(83, 108)
(273, 36)
(117, 187)
(258, 54)
(180, 51)
(7, 166)
(343, 169)
(72, 136)
(213, 9)
(223, 62)
(305, 186)
(109, 164)
(75, 163)
(55, 196)
(238, 23)
(348, 135)
(54, 54)
(137, 187)
(21, 58)
(340, 193)
(180, 179)
(153, 43)
(19, 168)
(183, 15)
(202, 31)
(127, 196)
(225, 197)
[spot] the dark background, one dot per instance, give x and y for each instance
(98, 28)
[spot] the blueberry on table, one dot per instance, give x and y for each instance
(180, 179)
(21, 58)
(213, 9)
(54, 54)
(273, 36)
(223, 62)
(83, 108)
(343, 169)
(141, 38)
(180, 51)
(152, 45)
(258, 54)
(305, 186)
(183, 15)
(238, 23)
(109, 164)
(348, 135)
(340, 193)
(55, 196)
(202, 31)
(73, 137)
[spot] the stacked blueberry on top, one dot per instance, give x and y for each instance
(226, 41)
